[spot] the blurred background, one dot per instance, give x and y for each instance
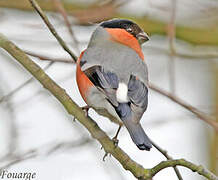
(37, 134)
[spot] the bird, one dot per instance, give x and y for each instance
(112, 76)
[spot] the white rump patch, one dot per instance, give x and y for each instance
(121, 93)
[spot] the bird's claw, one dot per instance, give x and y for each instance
(105, 155)
(116, 141)
(86, 110)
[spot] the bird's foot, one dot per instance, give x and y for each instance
(86, 110)
(105, 155)
(116, 141)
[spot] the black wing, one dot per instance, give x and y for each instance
(105, 81)
(138, 92)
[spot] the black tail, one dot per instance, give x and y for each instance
(135, 129)
(138, 135)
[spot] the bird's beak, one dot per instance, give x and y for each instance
(142, 37)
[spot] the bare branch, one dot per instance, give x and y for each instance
(50, 148)
(23, 157)
(187, 106)
(52, 29)
(46, 58)
(9, 95)
(62, 11)
(182, 162)
(11, 125)
(164, 152)
(171, 32)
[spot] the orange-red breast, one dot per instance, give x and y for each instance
(112, 76)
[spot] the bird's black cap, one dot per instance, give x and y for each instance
(117, 23)
(127, 25)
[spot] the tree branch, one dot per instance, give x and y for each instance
(187, 106)
(73, 109)
(47, 58)
(52, 29)
(182, 162)
(164, 152)
(50, 148)
(60, 8)
(10, 94)
(171, 32)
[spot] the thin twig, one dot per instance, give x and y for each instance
(11, 126)
(47, 58)
(10, 94)
(41, 57)
(182, 162)
(50, 148)
(69, 145)
(62, 11)
(22, 157)
(164, 152)
(52, 29)
(171, 35)
(187, 106)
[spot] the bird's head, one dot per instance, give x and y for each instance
(128, 26)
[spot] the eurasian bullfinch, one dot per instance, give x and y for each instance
(112, 76)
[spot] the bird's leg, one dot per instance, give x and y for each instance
(115, 137)
(115, 140)
(86, 109)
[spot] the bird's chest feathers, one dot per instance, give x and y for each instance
(123, 37)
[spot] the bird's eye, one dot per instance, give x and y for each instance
(130, 30)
